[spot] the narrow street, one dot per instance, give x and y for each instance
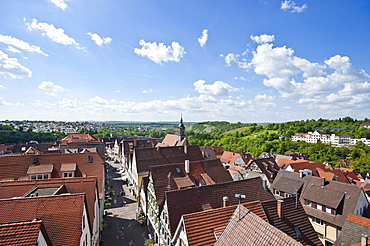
(132, 232)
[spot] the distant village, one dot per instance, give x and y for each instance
(59, 193)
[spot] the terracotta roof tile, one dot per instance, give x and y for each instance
(213, 169)
(23, 233)
(87, 185)
(293, 216)
(186, 201)
(246, 228)
(61, 215)
(16, 167)
(359, 220)
(147, 157)
(201, 226)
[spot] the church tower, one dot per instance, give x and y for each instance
(181, 134)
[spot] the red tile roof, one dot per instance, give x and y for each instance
(23, 233)
(80, 139)
(191, 200)
(246, 228)
(293, 216)
(359, 220)
(201, 226)
(16, 167)
(213, 168)
(147, 157)
(87, 185)
(61, 215)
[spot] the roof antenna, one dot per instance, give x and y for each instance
(239, 196)
(169, 181)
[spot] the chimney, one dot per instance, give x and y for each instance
(364, 240)
(158, 148)
(225, 200)
(187, 167)
(323, 182)
(280, 208)
(301, 174)
(185, 149)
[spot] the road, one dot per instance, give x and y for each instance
(113, 234)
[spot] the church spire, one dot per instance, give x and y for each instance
(181, 134)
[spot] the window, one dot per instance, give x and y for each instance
(328, 209)
(39, 176)
(287, 195)
(89, 158)
(83, 222)
(309, 203)
(68, 175)
(317, 221)
(319, 206)
(297, 231)
(277, 192)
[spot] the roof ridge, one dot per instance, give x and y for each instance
(45, 197)
(69, 180)
(47, 154)
(232, 181)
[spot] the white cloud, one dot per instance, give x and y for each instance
(11, 67)
(218, 88)
(99, 40)
(117, 91)
(12, 49)
(57, 35)
(203, 39)
(2, 87)
(328, 85)
(51, 88)
(98, 100)
(264, 38)
(240, 78)
(160, 53)
(62, 4)
(20, 44)
(3, 102)
(147, 91)
(289, 5)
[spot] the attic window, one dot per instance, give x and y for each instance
(178, 170)
(34, 160)
(297, 231)
(89, 158)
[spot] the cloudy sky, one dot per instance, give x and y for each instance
(135, 60)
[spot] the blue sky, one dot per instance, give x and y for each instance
(247, 61)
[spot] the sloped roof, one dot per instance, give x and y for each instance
(246, 228)
(201, 226)
(190, 200)
(354, 228)
(293, 216)
(268, 166)
(170, 140)
(213, 169)
(15, 167)
(331, 194)
(289, 182)
(61, 215)
(86, 185)
(147, 157)
(35, 169)
(78, 138)
(23, 233)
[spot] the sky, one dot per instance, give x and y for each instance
(247, 61)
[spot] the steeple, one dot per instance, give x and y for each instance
(181, 134)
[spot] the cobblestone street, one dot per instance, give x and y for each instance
(132, 232)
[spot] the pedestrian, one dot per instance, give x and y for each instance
(124, 203)
(124, 192)
(122, 225)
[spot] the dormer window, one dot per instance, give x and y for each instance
(40, 171)
(68, 170)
